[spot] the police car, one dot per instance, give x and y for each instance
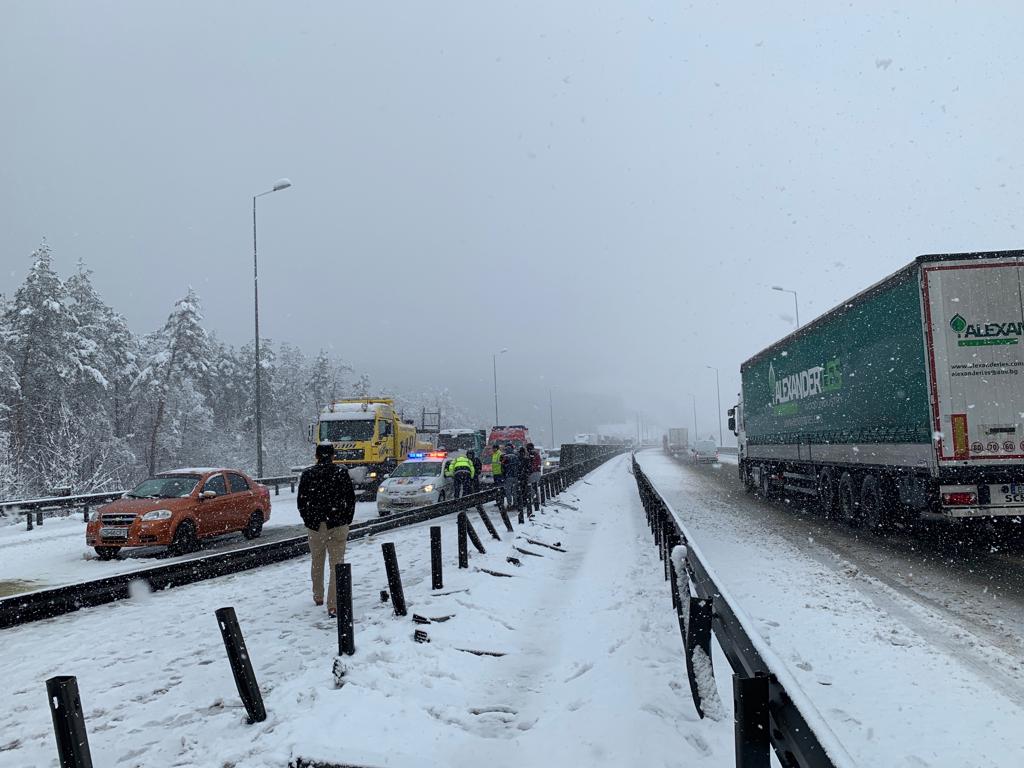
(416, 482)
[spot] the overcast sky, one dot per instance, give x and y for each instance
(606, 189)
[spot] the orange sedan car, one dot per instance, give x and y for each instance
(178, 508)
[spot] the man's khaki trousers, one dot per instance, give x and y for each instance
(327, 542)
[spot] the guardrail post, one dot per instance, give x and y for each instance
(533, 496)
(291, 485)
(39, 517)
(85, 513)
(463, 524)
(487, 522)
(504, 518)
(28, 519)
(346, 628)
(750, 702)
(473, 537)
(394, 577)
(541, 490)
(436, 563)
(241, 665)
(697, 635)
(68, 722)
(277, 489)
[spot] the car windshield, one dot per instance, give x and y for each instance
(172, 487)
(554, 454)
(417, 469)
(347, 431)
(466, 442)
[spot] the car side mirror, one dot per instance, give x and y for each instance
(385, 477)
(732, 424)
(208, 495)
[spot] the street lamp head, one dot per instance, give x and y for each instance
(778, 288)
(281, 184)
(503, 350)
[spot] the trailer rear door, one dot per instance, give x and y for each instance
(974, 320)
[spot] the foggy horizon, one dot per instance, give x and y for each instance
(609, 194)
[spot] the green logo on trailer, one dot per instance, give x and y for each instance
(985, 334)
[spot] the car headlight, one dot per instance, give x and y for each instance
(371, 474)
(157, 514)
(428, 488)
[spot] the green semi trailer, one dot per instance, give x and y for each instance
(904, 401)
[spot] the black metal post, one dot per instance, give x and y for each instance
(39, 517)
(750, 713)
(487, 522)
(436, 564)
(346, 628)
(463, 524)
(68, 722)
(241, 665)
(394, 577)
(533, 496)
(277, 489)
(697, 635)
(85, 513)
(522, 519)
(542, 486)
(504, 518)
(28, 520)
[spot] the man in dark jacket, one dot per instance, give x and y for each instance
(327, 503)
(477, 468)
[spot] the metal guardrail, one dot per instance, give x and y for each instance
(765, 710)
(47, 603)
(54, 504)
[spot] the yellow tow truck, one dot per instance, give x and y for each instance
(369, 438)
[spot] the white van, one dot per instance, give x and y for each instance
(705, 451)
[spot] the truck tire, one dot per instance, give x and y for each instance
(874, 505)
(748, 481)
(828, 493)
(849, 500)
(764, 482)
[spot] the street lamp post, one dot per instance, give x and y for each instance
(494, 365)
(551, 414)
(796, 303)
(718, 387)
(278, 186)
(693, 399)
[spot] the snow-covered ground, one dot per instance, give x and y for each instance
(55, 553)
(902, 677)
(593, 671)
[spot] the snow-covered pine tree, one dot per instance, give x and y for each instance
(177, 353)
(39, 337)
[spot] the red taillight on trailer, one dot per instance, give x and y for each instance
(960, 498)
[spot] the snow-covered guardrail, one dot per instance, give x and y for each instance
(770, 710)
(46, 603)
(38, 508)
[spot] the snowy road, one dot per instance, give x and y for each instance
(913, 655)
(592, 674)
(55, 554)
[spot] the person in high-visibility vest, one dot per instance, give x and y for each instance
(497, 474)
(461, 469)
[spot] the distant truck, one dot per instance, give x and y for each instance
(461, 440)
(678, 441)
(904, 402)
(369, 438)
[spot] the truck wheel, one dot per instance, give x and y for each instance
(849, 500)
(748, 481)
(874, 509)
(828, 493)
(765, 483)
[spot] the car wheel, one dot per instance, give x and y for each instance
(107, 553)
(873, 504)
(828, 493)
(254, 528)
(440, 497)
(184, 540)
(849, 501)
